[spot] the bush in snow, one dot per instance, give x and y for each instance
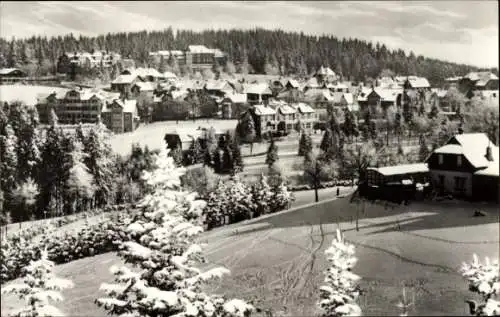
(162, 246)
(39, 286)
(338, 296)
(483, 279)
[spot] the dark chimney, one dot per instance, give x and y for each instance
(489, 155)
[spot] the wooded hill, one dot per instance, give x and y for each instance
(265, 50)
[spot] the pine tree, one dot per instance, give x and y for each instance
(423, 151)
(163, 65)
(272, 153)
(51, 182)
(164, 249)
(100, 164)
(247, 131)
(79, 184)
(8, 159)
(328, 144)
(338, 297)
(234, 145)
(305, 144)
(39, 287)
(194, 154)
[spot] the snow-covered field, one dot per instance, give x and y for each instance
(279, 260)
(152, 134)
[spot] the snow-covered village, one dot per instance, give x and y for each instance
(249, 158)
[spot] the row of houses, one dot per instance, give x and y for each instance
(467, 166)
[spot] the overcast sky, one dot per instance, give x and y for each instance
(458, 31)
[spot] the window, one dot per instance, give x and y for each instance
(459, 160)
(440, 159)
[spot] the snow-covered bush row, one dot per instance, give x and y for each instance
(235, 201)
(162, 248)
(338, 296)
(89, 240)
(329, 184)
(34, 230)
(39, 287)
(484, 280)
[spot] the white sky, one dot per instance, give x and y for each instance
(458, 31)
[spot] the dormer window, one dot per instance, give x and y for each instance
(440, 159)
(459, 160)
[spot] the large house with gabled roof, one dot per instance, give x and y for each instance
(466, 166)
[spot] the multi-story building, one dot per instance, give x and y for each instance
(73, 106)
(258, 93)
(11, 75)
(120, 115)
(87, 60)
(306, 115)
(466, 166)
(196, 57)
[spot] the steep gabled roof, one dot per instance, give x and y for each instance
(303, 108)
(263, 110)
(473, 147)
(418, 82)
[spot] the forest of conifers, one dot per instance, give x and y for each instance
(289, 52)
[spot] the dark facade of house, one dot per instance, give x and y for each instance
(462, 167)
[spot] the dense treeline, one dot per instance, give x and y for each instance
(48, 171)
(262, 50)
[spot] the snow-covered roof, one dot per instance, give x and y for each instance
(237, 98)
(169, 75)
(449, 149)
(474, 148)
(216, 85)
(492, 170)
(7, 71)
(258, 89)
(418, 82)
(401, 169)
(124, 79)
(349, 98)
(286, 109)
(325, 71)
(312, 83)
(481, 76)
(28, 94)
(293, 83)
(129, 105)
(261, 110)
(303, 107)
(197, 49)
(363, 94)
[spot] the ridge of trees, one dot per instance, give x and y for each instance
(257, 50)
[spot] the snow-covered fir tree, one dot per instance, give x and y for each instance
(39, 287)
(338, 296)
(483, 279)
(163, 247)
